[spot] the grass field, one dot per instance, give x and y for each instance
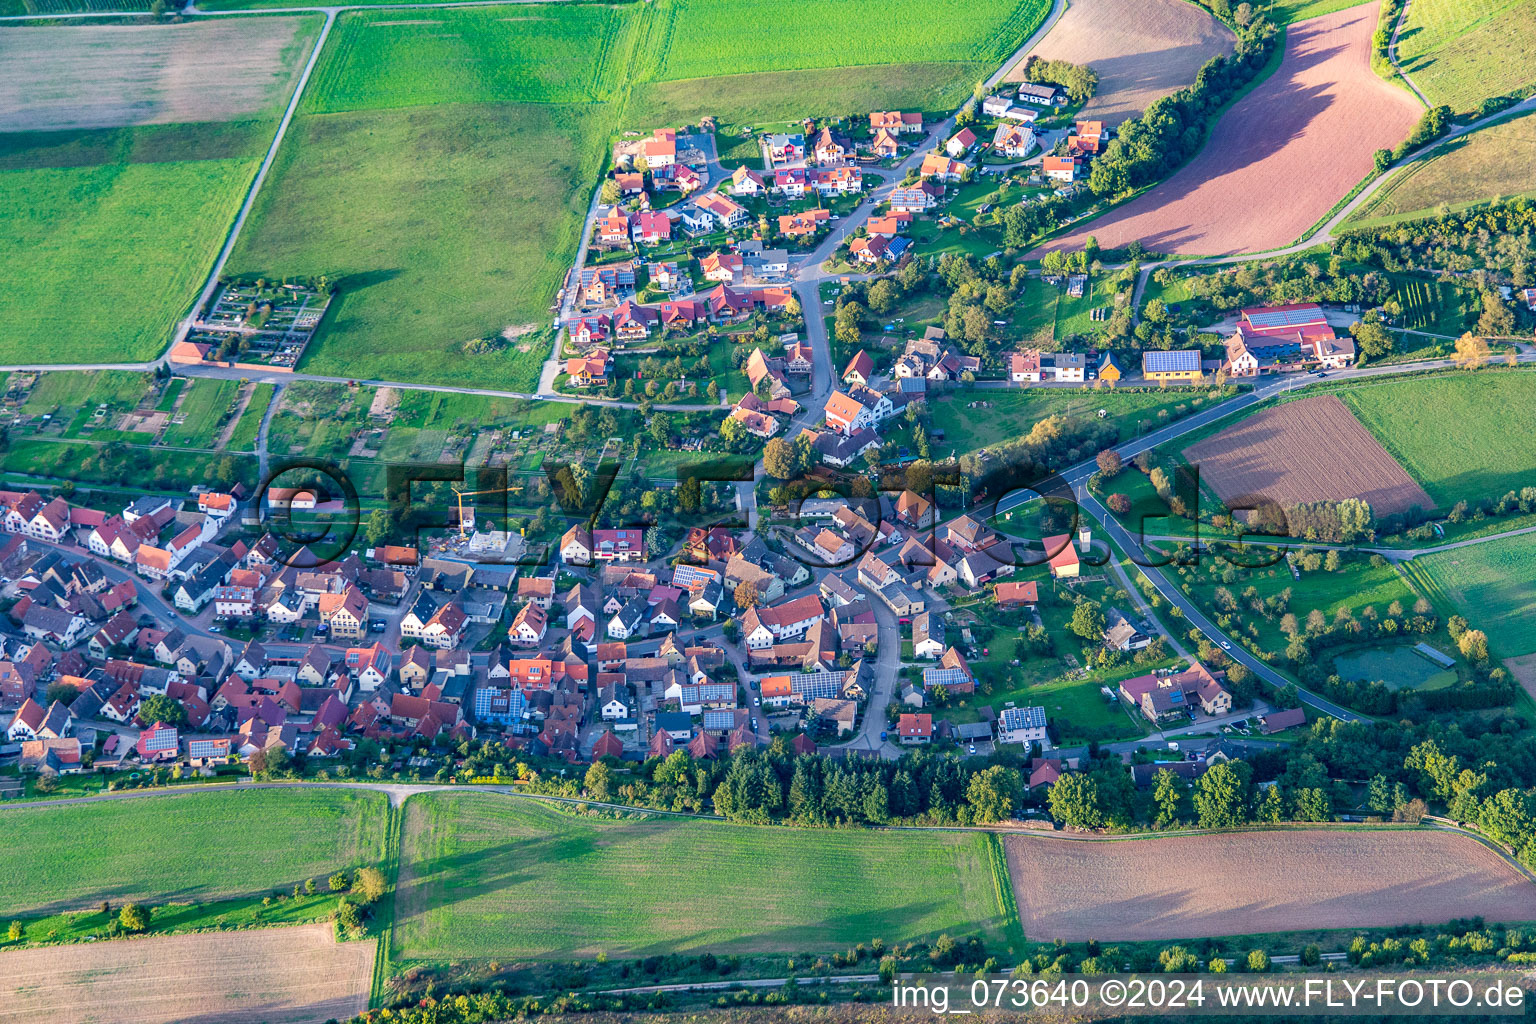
(1398, 667)
(156, 224)
(1434, 306)
(203, 404)
(1460, 436)
(482, 875)
(193, 847)
(1498, 161)
(1461, 51)
(1011, 412)
(243, 439)
(1493, 585)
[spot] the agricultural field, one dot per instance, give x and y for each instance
(1275, 456)
(146, 184)
(1431, 424)
(203, 405)
(70, 77)
(1493, 585)
(1011, 412)
(1462, 51)
(260, 976)
(497, 152)
(196, 846)
(1306, 132)
(1116, 891)
(1498, 161)
(484, 875)
(1142, 49)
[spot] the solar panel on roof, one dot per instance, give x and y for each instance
(1285, 317)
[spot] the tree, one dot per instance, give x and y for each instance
(160, 708)
(713, 392)
(1221, 796)
(339, 882)
(690, 495)
(61, 692)
(369, 885)
(1474, 644)
(133, 918)
(348, 916)
(1471, 351)
(1372, 338)
(993, 793)
(14, 932)
(1258, 961)
(598, 781)
(1165, 793)
(661, 428)
(1110, 463)
(1088, 621)
(1497, 319)
(1119, 504)
(779, 458)
(746, 595)
(1075, 802)
(379, 527)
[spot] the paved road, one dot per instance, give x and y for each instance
(883, 691)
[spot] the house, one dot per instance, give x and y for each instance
(33, 722)
(1014, 141)
(884, 144)
(917, 198)
(837, 181)
(629, 619)
(876, 248)
(722, 266)
(860, 368)
(1061, 556)
(1109, 369)
(789, 182)
(830, 149)
(51, 757)
(159, 742)
(666, 276)
(1059, 168)
(896, 122)
(1167, 694)
(1121, 635)
(1023, 726)
(746, 182)
(857, 408)
(842, 450)
(610, 228)
(591, 370)
(836, 711)
(588, 330)
(629, 183)
(969, 534)
(1279, 721)
(803, 224)
(633, 322)
(650, 227)
(941, 168)
(782, 148)
(914, 729)
(960, 143)
(660, 150)
(1089, 138)
(1288, 337)
(1180, 366)
(529, 626)
(927, 636)
(218, 505)
(1042, 94)
(890, 225)
(446, 627)
(345, 613)
(607, 285)
(1016, 595)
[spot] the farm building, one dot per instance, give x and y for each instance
(1181, 366)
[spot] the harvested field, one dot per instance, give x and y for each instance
(266, 976)
(107, 76)
(1142, 49)
(1246, 883)
(1306, 133)
(1311, 450)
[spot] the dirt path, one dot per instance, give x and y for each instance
(234, 421)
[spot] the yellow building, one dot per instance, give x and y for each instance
(1178, 367)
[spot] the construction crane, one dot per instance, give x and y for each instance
(461, 495)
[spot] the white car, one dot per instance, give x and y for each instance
(1226, 646)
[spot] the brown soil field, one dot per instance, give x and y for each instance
(1142, 49)
(105, 76)
(1279, 159)
(1250, 882)
(265, 976)
(1311, 450)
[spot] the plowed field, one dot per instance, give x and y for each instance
(1311, 450)
(1251, 882)
(1280, 158)
(1142, 49)
(267, 976)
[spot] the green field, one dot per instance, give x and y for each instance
(243, 439)
(204, 403)
(1398, 667)
(1498, 161)
(1011, 412)
(1493, 585)
(1459, 436)
(124, 222)
(1462, 51)
(186, 847)
(482, 875)
(1288, 12)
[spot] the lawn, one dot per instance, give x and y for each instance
(203, 405)
(243, 439)
(69, 392)
(1461, 51)
(1460, 436)
(199, 846)
(484, 875)
(1074, 315)
(1493, 585)
(1498, 161)
(1011, 412)
(152, 204)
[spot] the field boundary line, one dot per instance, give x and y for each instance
(1002, 882)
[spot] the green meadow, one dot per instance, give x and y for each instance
(1462, 51)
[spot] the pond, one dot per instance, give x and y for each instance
(1399, 667)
